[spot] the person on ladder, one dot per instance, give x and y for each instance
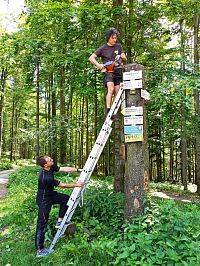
(112, 56)
(46, 197)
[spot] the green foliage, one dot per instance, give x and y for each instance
(165, 186)
(167, 233)
(5, 165)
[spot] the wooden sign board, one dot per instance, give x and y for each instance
(145, 95)
(133, 120)
(128, 130)
(136, 74)
(133, 110)
(133, 138)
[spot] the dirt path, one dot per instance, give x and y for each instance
(176, 196)
(4, 175)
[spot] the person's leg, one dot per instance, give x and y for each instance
(62, 200)
(109, 85)
(43, 216)
(110, 92)
(116, 89)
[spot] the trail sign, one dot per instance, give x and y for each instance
(133, 138)
(133, 120)
(136, 74)
(137, 84)
(133, 110)
(145, 95)
(126, 76)
(133, 130)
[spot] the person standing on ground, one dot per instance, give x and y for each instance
(111, 51)
(46, 197)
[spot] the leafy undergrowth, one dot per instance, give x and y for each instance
(167, 234)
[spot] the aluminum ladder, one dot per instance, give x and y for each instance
(89, 166)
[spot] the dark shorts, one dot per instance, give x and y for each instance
(116, 77)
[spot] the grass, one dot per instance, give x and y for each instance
(167, 234)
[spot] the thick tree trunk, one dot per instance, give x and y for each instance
(136, 165)
(118, 150)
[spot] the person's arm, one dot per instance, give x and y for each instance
(93, 60)
(65, 185)
(69, 169)
(123, 56)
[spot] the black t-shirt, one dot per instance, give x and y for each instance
(46, 182)
(108, 53)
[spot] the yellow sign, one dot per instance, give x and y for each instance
(133, 138)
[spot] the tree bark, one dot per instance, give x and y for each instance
(63, 128)
(3, 82)
(183, 118)
(136, 165)
(54, 126)
(196, 102)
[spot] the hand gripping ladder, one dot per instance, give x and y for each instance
(89, 167)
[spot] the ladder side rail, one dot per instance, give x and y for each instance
(85, 174)
(90, 163)
(77, 192)
(98, 143)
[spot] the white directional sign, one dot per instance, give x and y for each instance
(133, 138)
(133, 110)
(128, 85)
(136, 74)
(127, 76)
(132, 84)
(137, 84)
(145, 95)
(133, 120)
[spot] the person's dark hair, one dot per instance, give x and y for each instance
(111, 32)
(41, 160)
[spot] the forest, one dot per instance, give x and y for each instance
(53, 100)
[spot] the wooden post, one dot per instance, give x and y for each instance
(135, 133)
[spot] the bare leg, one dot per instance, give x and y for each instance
(111, 89)
(116, 89)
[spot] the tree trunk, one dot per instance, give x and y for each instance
(196, 102)
(118, 151)
(136, 165)
(12, 130)
(3, 82)
(63, 128)
(54, 127)
(171, 160)
(37, 111)
(183, 118)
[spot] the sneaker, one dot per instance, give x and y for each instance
(58, 223)
(44, 252)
